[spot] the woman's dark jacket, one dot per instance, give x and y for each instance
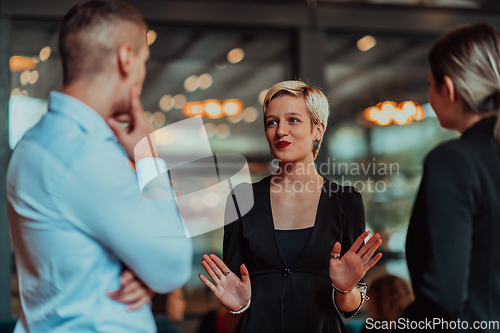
(453, 244)
(295, 297)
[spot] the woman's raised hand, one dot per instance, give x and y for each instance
(232, 291)
(345, 272)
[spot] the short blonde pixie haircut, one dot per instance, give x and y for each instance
(316, 102)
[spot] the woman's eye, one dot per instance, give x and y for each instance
(271, 122)
(294, 120)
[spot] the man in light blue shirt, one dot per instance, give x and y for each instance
(75, 208)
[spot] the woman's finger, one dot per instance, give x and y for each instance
(372, 250)
(372, 262)
(357, 244)
(210, 272)
(245, 275)
(336, 250)
(214, 267)
(365, 248)
(207, 282)
(223, 267)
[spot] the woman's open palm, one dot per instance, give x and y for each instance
(232, 291)
(345, 272)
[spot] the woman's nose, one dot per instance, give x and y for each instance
(282, 130)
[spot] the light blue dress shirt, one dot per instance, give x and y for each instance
(77, 216)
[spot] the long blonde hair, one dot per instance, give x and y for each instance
(470, 56)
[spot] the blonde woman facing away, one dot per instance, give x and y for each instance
(293, 259)
(452, 246)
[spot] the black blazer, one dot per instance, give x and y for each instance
(453, 245)
(297, 297)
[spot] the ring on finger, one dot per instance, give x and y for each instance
(335, 256)
(227, 273)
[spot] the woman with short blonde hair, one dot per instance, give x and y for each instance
(316, 102)
(299, 243)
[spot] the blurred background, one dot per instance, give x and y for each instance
(217, 58)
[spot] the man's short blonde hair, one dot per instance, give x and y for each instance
(316, 102)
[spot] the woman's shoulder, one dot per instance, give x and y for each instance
(452, 152)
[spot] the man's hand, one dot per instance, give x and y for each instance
(133, 292)
(138, 127)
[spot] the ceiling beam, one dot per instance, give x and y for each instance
(329, 16)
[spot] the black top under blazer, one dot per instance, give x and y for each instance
(294, 297)
(453, 244)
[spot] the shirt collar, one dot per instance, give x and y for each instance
(81, 114)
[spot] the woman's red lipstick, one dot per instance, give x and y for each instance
(282, 144)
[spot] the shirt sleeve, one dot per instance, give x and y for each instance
(104, 200)
(354, 226)
(440, 232)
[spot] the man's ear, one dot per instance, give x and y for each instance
(125, 58)
(449, 89)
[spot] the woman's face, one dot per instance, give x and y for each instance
(288, 129)
(441, 103)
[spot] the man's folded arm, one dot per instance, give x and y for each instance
(104, 200)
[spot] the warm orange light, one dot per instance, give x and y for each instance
(383, 120)
(187, 109)
(409, 108)
(235, 55)
(262, 96)
(25, 77)
(166, 102)
(419, 114)
(232, 107)
(18, 63)
(158, 118)
(151, 36)
(366, 43)
(250, 114)
(213, 108)
(370, 114)
(179, 101)
(205, 81)
(191, 83)
(196, 109)
(33, 77)
(45, 53)
(222, 131)
(388, 112)
(400, 117)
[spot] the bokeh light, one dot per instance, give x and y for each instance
(45, 53)
(166, 103)
(151, 36)
(366, 43)
(235, 55)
